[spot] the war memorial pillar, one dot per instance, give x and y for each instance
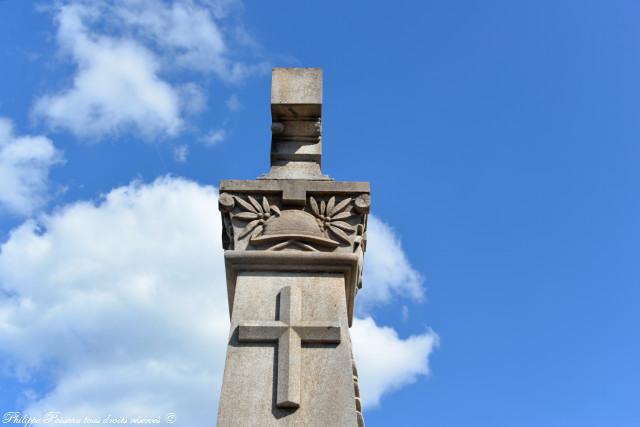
(294, 243)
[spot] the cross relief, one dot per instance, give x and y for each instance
(290, 332)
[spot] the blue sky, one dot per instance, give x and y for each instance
(500, 139)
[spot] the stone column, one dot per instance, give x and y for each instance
(294, 243)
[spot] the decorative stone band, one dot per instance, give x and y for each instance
(319, 262)
(332, 215)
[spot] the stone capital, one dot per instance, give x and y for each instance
(286, 225)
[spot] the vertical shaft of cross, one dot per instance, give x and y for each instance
(288, 388)
(289, 347)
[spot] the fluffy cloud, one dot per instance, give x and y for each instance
(387, 271)
(122, 304)
(124, 52)
(401, 362)
(116, 86)
(24, 167)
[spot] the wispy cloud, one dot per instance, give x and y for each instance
(180, 153)
(214, 137)
(25, 162)
(186, 33)
(128, 56)
(233, 103)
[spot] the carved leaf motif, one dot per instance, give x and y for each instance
(330, 205)
(257, 231)
(343, 225)
(323, 208)
(255, 203)
(314, 206)
(265, 205)
(342, 215)
(275, 209)
(340, 206)
(246, 216)
(249, 228)
(246, 205)
(341, 234)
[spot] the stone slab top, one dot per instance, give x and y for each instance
(294, 191)
(296, 86)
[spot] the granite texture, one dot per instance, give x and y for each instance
(326, 392)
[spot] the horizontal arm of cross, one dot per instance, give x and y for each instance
(318, 332)
(261, 331)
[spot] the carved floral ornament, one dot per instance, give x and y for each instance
(331, 217)
(257, 214)
(326, 224)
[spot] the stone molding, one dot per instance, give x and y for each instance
(346, 264)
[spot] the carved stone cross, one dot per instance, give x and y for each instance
(290, 331)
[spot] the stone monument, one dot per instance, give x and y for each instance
(294, 243)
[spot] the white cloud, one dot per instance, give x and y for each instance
(214, 137)
(180, 153)
(24, 168)
(125, 52)
(116, 87)
(187, 31)
(387, 270)
(192, 98)
(122, 305)
(401, 362)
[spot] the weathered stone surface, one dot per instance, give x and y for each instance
(290, 331)
(297, 86)
(295, 260)
(249, 395)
